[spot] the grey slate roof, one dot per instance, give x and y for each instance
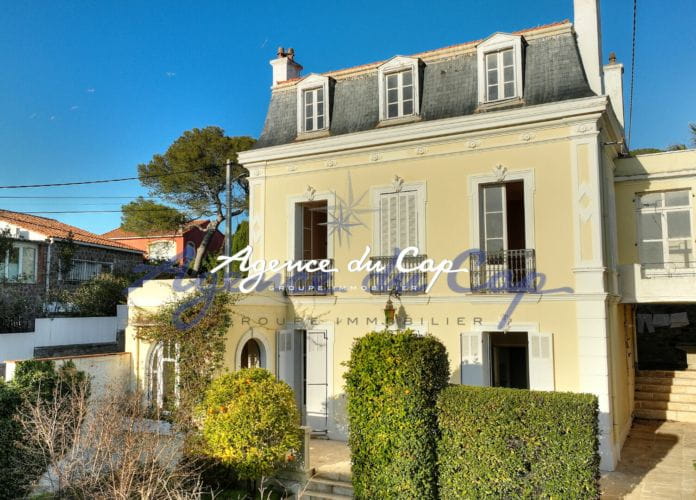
(552, 72)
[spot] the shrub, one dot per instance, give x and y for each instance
(99, 296)
(36, 384)
(511, 443)
(251, 422)
(392, 385)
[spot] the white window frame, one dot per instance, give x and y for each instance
(20, 262)
(398, 64)
(294, 225)
(663, 211)
(475, 182)
(313, 82)
(155, 395)
(498, 43)
(75, 262)
(149, 252)
(421, 200)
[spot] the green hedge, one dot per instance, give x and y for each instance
(392, 384)
(510, 443)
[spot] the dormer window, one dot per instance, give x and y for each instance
(400, 94)
(313, 109)
(399, 88)
(500, 75)
(499, 68)
(313, 105)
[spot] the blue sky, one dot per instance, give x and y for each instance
(90, 89)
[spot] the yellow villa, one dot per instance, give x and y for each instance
(505, 156)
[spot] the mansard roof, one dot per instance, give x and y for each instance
(552, 72)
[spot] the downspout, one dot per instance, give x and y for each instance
(48, 266)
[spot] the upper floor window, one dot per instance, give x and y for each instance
(499, 68)
(399, 94)
(399, 88)
(313, 109)
(500, 75)
(161, 250)
(313, 104)
(19, 264)
(665, 230)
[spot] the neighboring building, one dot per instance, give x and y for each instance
(181, 244)
(33, 266)
(498, 154)
(657, 269)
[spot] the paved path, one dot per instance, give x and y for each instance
(657, 462)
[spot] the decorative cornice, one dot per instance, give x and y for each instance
(430, 129)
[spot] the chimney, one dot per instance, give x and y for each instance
(586, 21)
(284, 66)
(613, 84)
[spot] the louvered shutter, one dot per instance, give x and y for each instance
(473, 359)
(398, 221)
(541, 362)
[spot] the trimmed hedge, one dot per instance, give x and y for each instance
(392, 384)
(510, 443)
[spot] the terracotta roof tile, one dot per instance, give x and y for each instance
(52, 228)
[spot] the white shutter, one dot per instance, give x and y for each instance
(473, 359)
(317, 381)
(398, 221)
(541, 362)
(286, 361)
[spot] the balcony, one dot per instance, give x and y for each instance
(392, 279)
(309, 283)
(503, 271)
(668, 282)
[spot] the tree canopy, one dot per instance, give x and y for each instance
(190, 176)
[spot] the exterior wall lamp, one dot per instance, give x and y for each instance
(389, 310)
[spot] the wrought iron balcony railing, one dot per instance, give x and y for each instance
(504, 271)
(309, 283)
(392, 279)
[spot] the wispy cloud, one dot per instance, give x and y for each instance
(91, 90)
(73, 108)
(170, 74)
(264, 43)
(53, 117)
(33, 115)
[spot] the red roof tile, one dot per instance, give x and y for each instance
(52, 228)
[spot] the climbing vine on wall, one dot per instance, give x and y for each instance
(197, 325)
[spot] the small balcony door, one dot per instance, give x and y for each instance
(503, 264)
(502, 217)
(311, 241)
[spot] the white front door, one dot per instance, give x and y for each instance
(475, 368)
(316, 380)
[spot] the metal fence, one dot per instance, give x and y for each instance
(392, 279)
(309, 283)
(16, 325)
(503, 271)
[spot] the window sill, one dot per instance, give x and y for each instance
(315, 134)
(513, 102)
(388, 122)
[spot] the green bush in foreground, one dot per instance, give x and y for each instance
(510, 443)
(251, 422)
(392, 385)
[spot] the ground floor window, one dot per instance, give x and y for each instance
(163, 380)
(19, 264)
(251, 354)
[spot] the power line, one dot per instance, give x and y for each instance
(104, 181)
(76, 197)
(633, 74)
(96, 211)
